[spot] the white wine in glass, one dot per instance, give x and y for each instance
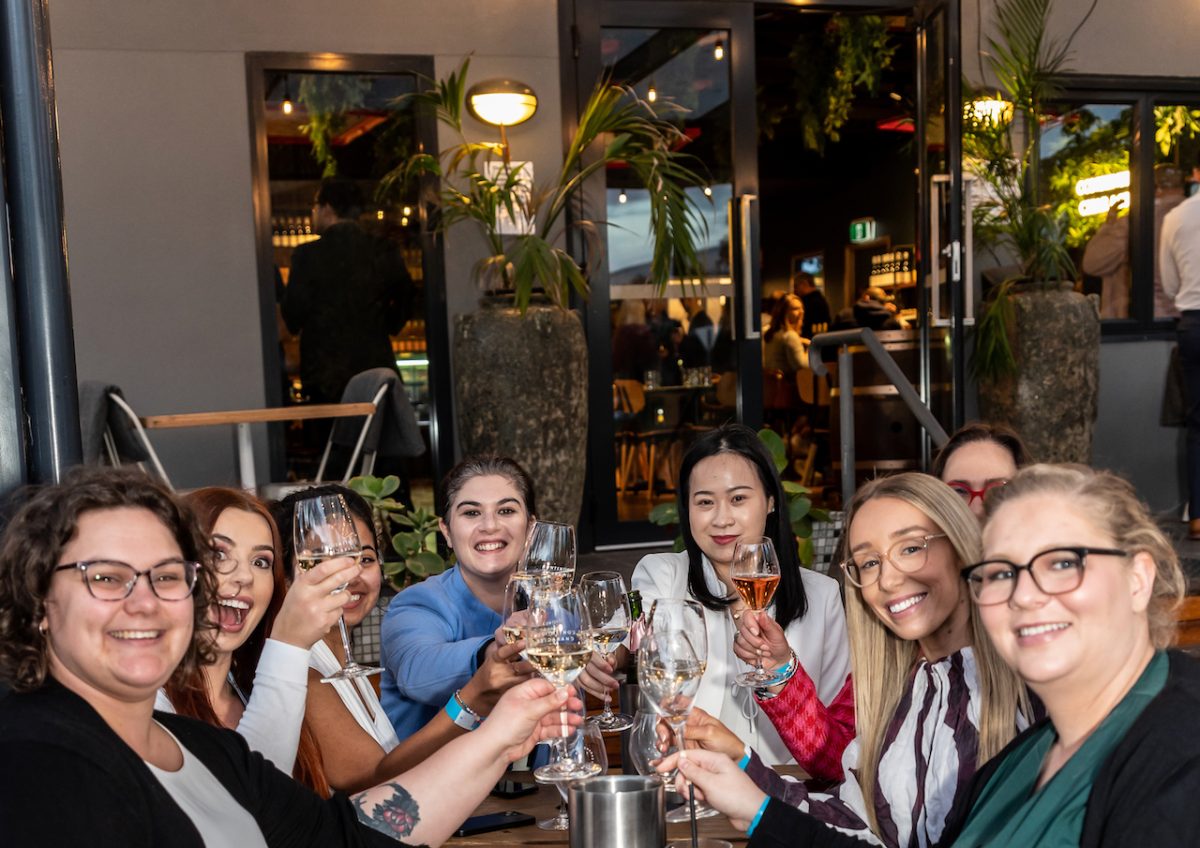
(549, 550)
(322, 529)
(608, 606)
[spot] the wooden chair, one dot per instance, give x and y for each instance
(1188, 619)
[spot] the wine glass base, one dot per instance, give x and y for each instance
(754, 679)
(566, 771)
(559, 822)
(352, 671)
(613, 723)
(684, 813)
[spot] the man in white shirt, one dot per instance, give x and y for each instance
(1179, 264)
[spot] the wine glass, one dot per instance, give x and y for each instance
(608, 606)
(558, 643)
(323, 529)
(647, 748)
(518, 597)
(586, 745)
(549, 550)
(676, 656)
(755, 574)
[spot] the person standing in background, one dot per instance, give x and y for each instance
(347, 294)
(1168, 193)
(1179, 265)
(816, 307)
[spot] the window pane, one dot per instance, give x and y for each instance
(1176, 145)
(1085, 175)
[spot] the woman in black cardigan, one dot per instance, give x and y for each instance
(85, 644)
(1077, 591)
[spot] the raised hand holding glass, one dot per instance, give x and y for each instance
(755, 574)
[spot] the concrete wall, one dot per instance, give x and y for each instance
(156, 178)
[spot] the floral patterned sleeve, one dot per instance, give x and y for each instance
(815, 734)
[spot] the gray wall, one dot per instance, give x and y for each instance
(1149, 38)
(156, 178)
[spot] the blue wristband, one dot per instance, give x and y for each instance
(758, 816)
(461, 714)
(745, 760)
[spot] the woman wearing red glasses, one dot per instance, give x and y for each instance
(978, 458)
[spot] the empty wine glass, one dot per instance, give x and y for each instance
(323, 529)
(608, 606)
(585, 745)
(558, 643)
(755, 574)
(549, 549)
(647, 747)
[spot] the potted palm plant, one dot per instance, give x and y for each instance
(1037, 341)
(520, 360)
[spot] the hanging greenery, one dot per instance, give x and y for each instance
(1171, 124)
(830, 69)
(327, 98)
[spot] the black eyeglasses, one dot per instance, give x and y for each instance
(1055, 572)
(110, 580)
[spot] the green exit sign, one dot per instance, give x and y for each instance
(862, 229)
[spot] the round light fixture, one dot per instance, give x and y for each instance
(501, 102)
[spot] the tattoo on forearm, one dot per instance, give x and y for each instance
(396, 815)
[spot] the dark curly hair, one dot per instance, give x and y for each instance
(32, 544)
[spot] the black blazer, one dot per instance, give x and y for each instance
(67, 779)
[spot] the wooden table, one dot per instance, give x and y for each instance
(243, 418)
(544, 804)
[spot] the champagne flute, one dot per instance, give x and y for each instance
(549, 550)
(587, 745)
(608, 606)
(323, 529)
(558, 643)
(755, 574)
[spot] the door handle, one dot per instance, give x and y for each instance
(748, 220)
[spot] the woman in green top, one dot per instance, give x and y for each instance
(1076, 591)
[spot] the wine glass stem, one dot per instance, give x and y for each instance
(345, 641)
(561, 742)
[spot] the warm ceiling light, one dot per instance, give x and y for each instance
(287, 107)
(502, 103)
(708, 191)
(652, 93)
(622, 197)
(719, 50)
(287, 95)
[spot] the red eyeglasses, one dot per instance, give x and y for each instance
(969, 495)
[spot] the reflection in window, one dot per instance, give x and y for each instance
(1176, 145)
(1085, 175)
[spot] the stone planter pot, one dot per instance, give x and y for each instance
(1052, 400)
(521, 389)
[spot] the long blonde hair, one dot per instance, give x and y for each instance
(882, 662)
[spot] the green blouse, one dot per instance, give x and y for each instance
(1011, 811)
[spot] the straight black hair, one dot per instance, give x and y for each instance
(791, 603)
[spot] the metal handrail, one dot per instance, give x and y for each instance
(842, 339)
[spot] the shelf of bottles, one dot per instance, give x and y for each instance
(894, 268)
(291, 230)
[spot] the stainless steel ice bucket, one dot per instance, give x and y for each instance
(617, 811)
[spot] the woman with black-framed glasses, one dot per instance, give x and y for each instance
(86, 644)
(1077, 589)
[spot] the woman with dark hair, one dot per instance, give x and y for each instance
(438, 635)
(978, 458)
(86, 644)
(729, 490)
(257, 685)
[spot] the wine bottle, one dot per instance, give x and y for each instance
(637, 629)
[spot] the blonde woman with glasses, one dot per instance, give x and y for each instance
(933, 700)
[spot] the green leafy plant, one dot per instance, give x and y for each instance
(328, 98)
(1004, 154)
(415, 536)
(479, 186)
(801, 512)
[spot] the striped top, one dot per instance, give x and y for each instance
(929, 756)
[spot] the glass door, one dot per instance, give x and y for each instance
(944, 246)
(668, 366)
